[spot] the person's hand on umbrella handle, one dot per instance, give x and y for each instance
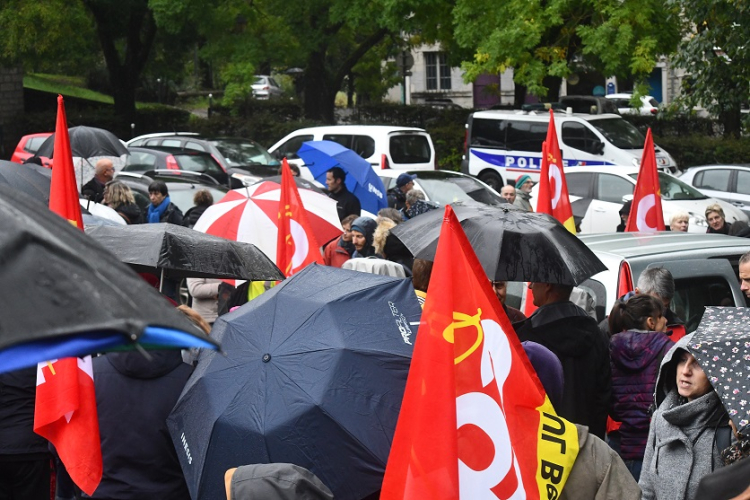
(228, 481)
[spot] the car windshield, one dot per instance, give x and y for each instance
(621, 133)
(183, 198)
(240, 153)
(259, 80)
(198, 163)
(674, 189)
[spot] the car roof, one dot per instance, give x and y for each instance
(170, 150)
(390, 172)
(604, 169)
(722, 165)
(635, 245)
(359, 128)
(542, 115)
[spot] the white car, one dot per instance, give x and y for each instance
(444, 186)
(265, 87)
(609, 187)
(730, 183)
(649, 106)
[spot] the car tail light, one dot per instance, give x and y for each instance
(654, 111)
(384, 162)
(172, 163)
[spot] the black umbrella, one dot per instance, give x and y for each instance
(721, 344)
(580, 207)
(512, 244)
(179, 252)
(314, 376)
(28, 178)
(87, 142)
(64, 295)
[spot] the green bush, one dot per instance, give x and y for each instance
(689, 151)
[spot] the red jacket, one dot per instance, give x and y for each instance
(335, 255)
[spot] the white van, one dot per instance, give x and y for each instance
(405, 148)
(501, 145)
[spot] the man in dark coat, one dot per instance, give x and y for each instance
(134, 396)
(574, 337)
(103, 173)
(24, 455)
(161, 208)
(397, 194)
(346, 202)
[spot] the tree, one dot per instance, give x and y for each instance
(546, 40)
(716, 55)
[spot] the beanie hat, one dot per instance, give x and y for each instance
(366, 226)
(522, 179)
(404, 179)
(548, 368)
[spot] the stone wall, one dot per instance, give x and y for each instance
(11, 105)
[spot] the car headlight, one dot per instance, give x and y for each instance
(698, 220)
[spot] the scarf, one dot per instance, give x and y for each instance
(155, 213)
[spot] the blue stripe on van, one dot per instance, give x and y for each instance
(520, 163)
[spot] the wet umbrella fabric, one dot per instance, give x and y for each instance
(721, 344)
(30, 179)
(314, 375)
(87, 142)
(64, 295)
(184, 253)
(512, 244)
(361, 179)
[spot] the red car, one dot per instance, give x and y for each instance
(28, 146)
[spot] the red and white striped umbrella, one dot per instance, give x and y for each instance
(251, 215)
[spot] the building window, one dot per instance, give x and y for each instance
(438, 71)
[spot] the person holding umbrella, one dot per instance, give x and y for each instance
(346, 202)
(682, 440)
(162, 209)
(104, 172)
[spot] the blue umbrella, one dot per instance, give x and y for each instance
(361, 179)
(64, 295)
(314, 375)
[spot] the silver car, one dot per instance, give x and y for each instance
(265, 87)
(729, 183)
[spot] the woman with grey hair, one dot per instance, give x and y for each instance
(717, 222)
(679, 222)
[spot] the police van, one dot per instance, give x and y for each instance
(501, 145)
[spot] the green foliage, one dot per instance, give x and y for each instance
(238, 78)
(689, 151)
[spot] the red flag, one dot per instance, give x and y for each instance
(63, 191)
(475, 421)
(624, 280)
(645, 213)
(65, 414)
(296, 246)
(553, 189)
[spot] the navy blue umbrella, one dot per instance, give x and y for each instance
(361, 179)
(314, 374)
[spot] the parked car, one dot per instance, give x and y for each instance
(28, 146)
(399, 148)
(443, 186)
(588, 104)
(242, 158)
(648, 107)
(730, 183)
(162, 158)
(704, 268)
(608, 187)
(265, 87)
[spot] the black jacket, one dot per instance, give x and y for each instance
(574, 337)
(346, 203)
(17, 397)
(172, 214)
(133, 398)
(93, 190)
(396, 198)
(130, 212)
(192, 215)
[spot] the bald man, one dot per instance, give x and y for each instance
(94, 189)
(509, 193)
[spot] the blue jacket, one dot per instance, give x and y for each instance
(133, 399)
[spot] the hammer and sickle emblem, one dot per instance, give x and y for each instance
(461, 320)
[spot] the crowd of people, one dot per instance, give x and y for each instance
(649, 422)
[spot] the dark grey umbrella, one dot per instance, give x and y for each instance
(511, 244)
(87, 142)
(28, 178)
(179, 252)
(721, 344)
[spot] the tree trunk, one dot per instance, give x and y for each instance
(519, 95)
(320, 98)
(732, 121)
(553, 84)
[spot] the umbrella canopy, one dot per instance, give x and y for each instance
(87, 142)
(184, 253)
(251, 215)
(361, 179)
(64, 295)
(30, 179)
(314, 376)
(721, 344)
(512, 244)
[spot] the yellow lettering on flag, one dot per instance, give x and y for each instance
(557, 450)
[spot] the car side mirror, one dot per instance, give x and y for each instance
(597, 147)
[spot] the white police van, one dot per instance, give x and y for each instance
(501, 145)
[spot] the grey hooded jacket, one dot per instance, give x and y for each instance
(680, 448)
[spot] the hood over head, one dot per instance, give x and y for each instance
(666, 381)
(277, 482)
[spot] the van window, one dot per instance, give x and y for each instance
(506, 134)
(612, 188)
(621, 133)
(714, 179)
(290, 147)
(692, 295)
(139, 160)
(579, 136)
(409, 148)
(363, 145)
